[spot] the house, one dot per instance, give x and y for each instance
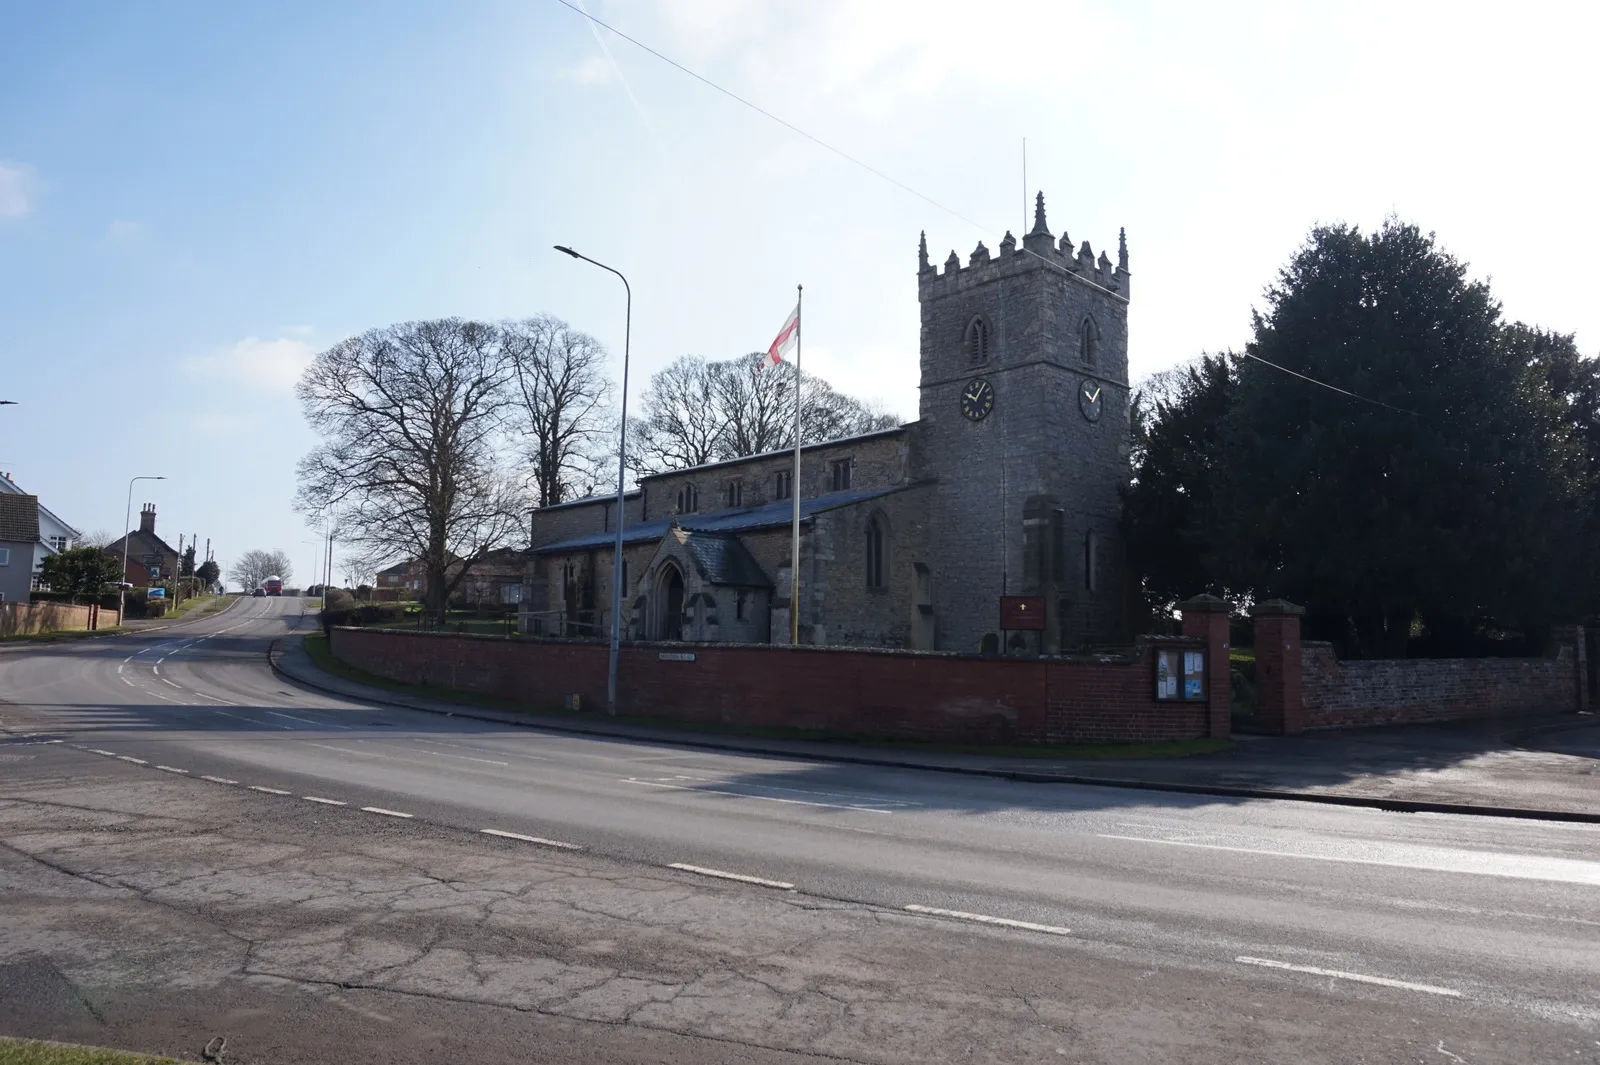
(54, 534)
(400, 581)
(1008, 484)
(19, 537)
(495, 579)
(151, 559)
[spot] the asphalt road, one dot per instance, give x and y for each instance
(1131, 925)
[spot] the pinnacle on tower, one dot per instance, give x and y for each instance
(922, 254)
(1038, 216)
(1038, 240)
(1122, 249)
(1008, 244)
(980, 254)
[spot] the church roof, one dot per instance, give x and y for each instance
(724, 560)
(744, 519)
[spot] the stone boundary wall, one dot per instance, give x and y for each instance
(1406, 690)
(26, 619)
(898, 694)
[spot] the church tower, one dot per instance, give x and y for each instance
(1024, 426)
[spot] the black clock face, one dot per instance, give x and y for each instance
(977, 399)
(1091, 399)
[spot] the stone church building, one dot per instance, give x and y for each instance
(1008, 483)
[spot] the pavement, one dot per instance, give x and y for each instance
(1542, 766)
(194, 847)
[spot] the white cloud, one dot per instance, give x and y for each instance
(273, 365)
(16, 190)
(596, 70)
(296, 330)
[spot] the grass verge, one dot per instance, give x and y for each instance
(316, 645)
(199, 605)
(32, 1052)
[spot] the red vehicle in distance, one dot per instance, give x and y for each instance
(273, 585)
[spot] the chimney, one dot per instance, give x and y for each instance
(147, 519)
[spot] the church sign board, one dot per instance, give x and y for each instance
(1022, 613)
(1180, 674)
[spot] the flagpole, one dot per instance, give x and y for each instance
(794, 484)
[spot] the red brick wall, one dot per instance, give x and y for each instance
(18, 619)
(1400, 691)
(885, 693)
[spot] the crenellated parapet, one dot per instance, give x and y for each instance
(1039, 250)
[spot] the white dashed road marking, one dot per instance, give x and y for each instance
(131, 758)
(325, 802)
(306, 720)
(741, 877)
(386, 813)
(269, 791)
(530, 839)
(220, 780)
(171, 769)
(983, 918)
(1381, 981)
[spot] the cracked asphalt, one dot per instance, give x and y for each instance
(149, 899)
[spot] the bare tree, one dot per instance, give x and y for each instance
(563, 405)
(97, 538)
(830, 414)
(757, 404)
(256, 565)
(682, 423)
(411, 419)
(698, 411)
(357, 572)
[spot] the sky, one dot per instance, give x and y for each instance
(197, 198)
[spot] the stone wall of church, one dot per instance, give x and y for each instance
(569, 521)
(877, 461)
(840, 608)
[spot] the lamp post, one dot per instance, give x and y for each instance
(622, 453)
(127, 538)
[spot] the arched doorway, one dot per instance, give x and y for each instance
(669, 623)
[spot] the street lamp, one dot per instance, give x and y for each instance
(127, 537)
(622, 452)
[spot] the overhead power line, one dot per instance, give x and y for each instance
(874, 171)
(1332, 388)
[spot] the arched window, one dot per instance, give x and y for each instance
(1089, 343)
(688, 499)
(875, 549)
(978, 341)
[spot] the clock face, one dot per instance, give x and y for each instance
(977, 399)
(1091, 399)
